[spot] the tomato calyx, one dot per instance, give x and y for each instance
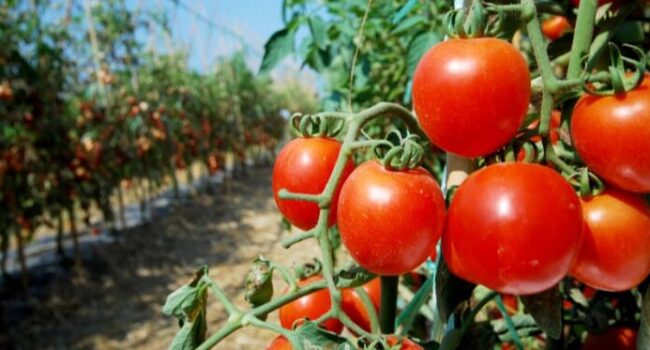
(620, 81)
(325, 124)
(403, 153)
(472, 24)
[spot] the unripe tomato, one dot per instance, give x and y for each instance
(513, 227)
(390, 220)
(617, 338)
(615, 251)
(612, 136)
(554, 27)
(471, 95)
(279, 343)
(352, 303)
(311, 306)
(304, 166)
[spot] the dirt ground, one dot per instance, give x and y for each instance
(116, 302)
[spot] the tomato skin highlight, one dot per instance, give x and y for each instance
(616, 338)
(554, 27)
(389, 220)
(313, 159)
(612, 136)
(311, 306)
(352, 303)
(513, 227)
(471, 95)
(615, 251)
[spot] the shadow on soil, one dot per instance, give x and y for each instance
(125, 282)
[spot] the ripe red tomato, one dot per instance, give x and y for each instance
(612, 136)
(313, 159)
(390, 220)
(311, 306)
(617, 338)
(352, 303)
(554, 27)
(279, 343)
(513, 227)
(471, 95)
(615, 251)
(406, 343)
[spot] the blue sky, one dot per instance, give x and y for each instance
(255, 20)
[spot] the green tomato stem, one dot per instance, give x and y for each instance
(584, 32)
(370, 309)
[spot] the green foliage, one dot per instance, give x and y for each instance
(394, 38)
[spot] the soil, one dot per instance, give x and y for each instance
(116, 301)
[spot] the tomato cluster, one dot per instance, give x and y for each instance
(515, 227)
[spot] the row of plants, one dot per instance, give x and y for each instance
(88, 111)
(543, 241)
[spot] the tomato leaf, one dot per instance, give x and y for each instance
(407, 316)
(643, 339)
(318, 29)
(403, 11)
(408, 24)
(418, 46)
(279, 46)
(546, 309)
(191, 335)
(186, 302)
(259, 282)
(452, 340)
(450, 290)
(314, 337)
(525, 325)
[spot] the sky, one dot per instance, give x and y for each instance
(254, 20)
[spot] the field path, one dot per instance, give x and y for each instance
(116, 302)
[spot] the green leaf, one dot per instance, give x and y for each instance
(259, 282)
(450, 290)
(420, 44)
(452, 340)
(318, 29)
(399, 15)
(407, 316)
(185, 302)
(408, 24)
(191, 335)
(314, 337)
(643, 339)
(546, 309)
(279, 46)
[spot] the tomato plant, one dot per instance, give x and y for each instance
(615, 252)
(314, 159)
(605, 128)
(516, 228)
(490, 70)
(310, 307)
(499, 230)
(381, 208)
